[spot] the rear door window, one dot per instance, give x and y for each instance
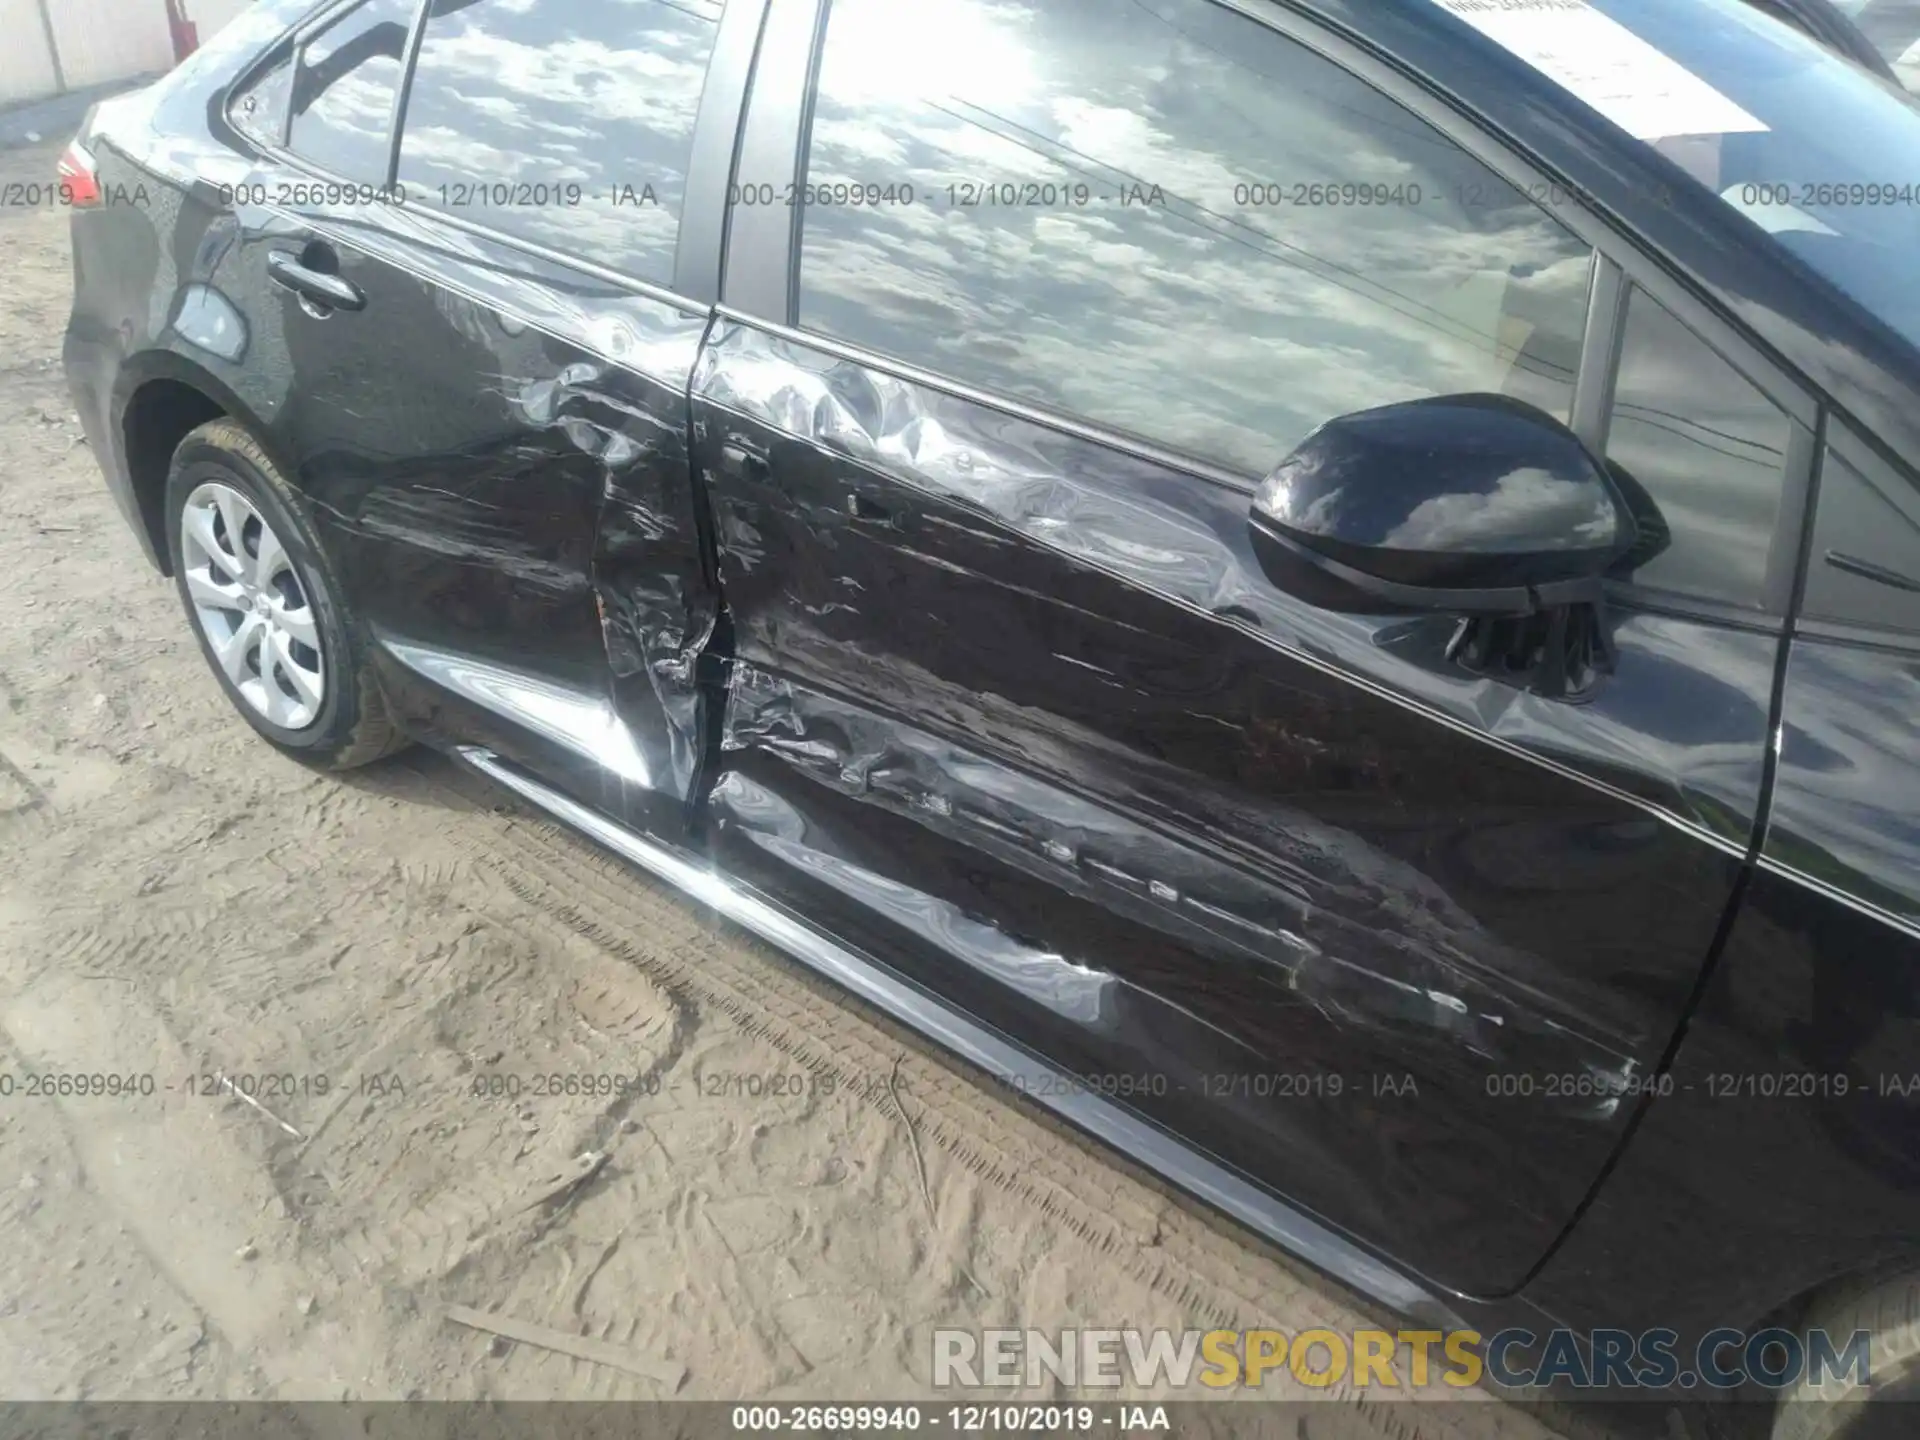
(568, 123)
(344, 84)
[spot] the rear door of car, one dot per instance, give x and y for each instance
(492, 430)
(1005, 347)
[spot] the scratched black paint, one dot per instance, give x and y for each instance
(1016, 712)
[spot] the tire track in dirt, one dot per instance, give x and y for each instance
(468, 1155)
(1214, 1274)
(1219, 1277)
(224, 1241)
(398, 1166)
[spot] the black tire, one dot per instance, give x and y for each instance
(351, 725)
(1889, 1312)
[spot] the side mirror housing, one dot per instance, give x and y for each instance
(1464, 504)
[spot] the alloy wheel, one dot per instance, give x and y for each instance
(252, 605)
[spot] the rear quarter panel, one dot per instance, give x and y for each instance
(145, 305)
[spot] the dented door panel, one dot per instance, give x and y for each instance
(1018, 713)
(516, 522)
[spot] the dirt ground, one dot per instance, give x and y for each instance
(179, 902)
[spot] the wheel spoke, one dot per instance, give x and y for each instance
(273, 700)
(251, 631)
(197, 522)
(299, 624)
(210, 594)
(232, 652)
(234, 511)
(272, 557)
(306, 683)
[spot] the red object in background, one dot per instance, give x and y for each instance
(78, 179)
(186, 35)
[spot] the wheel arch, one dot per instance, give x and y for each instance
(1797, 1309)
(159, 399)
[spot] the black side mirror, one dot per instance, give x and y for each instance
(1464, 504)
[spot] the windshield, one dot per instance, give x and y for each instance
(1807, 146)
(1894, 28)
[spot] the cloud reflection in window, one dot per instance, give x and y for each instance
(343, 94)
(1200, 318)
(566, 122)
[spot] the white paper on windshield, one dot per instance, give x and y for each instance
(1645, 92)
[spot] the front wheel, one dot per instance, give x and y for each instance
(1888, 1407)
(260, 597)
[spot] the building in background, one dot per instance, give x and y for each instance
(49, 47)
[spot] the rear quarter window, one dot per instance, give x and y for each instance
(345, 80)
(258, 109)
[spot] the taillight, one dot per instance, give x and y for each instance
(79, 177)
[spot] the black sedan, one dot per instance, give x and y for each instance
(1331, 590)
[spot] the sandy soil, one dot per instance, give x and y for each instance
(178, 901)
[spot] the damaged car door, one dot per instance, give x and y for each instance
(515, 522)
(1388, 902)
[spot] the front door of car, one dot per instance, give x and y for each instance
(1398, 934)
(492, 428)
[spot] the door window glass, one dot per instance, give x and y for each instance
(566, 122)
(343, 92)
(260, 110)
(1167, 218)
(1707, 448)
(1865, 565)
